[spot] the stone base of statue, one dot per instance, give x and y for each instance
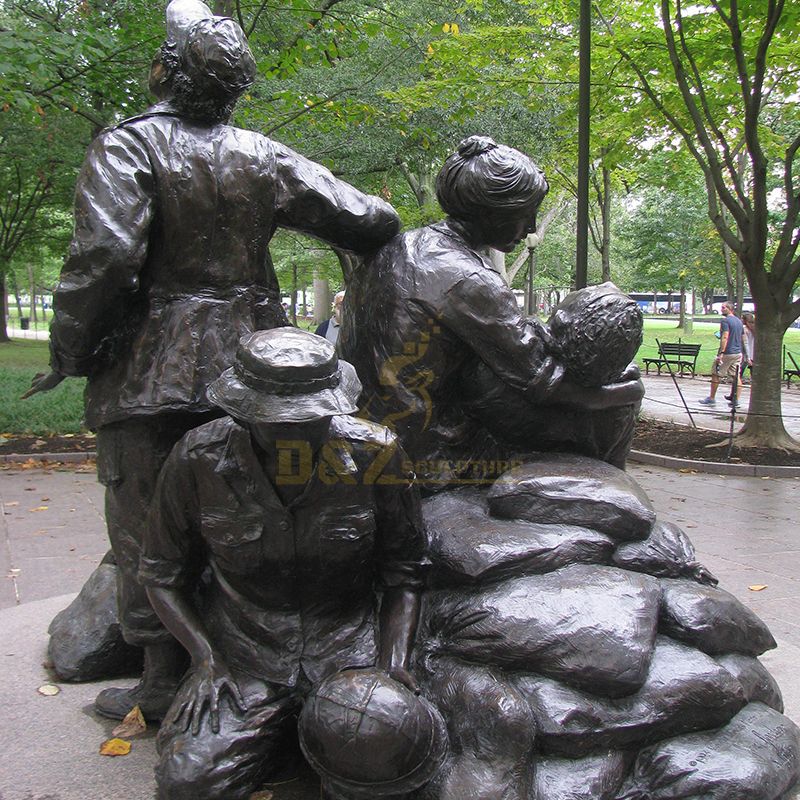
(86, 641)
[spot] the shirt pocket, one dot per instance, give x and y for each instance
(347, 544)
(233, 537)
(348, 525)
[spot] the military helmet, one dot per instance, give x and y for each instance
(369, 736)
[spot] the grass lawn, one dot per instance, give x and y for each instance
(58, 411)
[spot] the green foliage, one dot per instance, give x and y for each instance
(668, 239)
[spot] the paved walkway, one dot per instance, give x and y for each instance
(665, 398)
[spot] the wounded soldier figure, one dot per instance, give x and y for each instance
(271, 532)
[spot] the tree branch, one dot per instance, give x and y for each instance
(787, 244)
(732, 22)
(256, 17)
(314, 21)
(327, 99)
(699, 86)
(740, 210)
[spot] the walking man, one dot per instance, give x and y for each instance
(729, 357)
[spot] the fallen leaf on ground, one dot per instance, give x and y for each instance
(115, 747)
(48, 690)
(757, 587)
(45, 499)
(39, 508)
(132, 725)
(11, 504)
(265, 795)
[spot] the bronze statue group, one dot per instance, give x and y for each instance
(326, 544)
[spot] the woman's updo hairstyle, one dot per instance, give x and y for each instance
(483, 175)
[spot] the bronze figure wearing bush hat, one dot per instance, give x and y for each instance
(299, 513)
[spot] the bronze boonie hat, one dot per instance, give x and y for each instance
(286, 375)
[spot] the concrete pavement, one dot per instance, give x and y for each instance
(52, 531)
(679, 401)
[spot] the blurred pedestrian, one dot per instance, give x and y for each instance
(330, 328)
(748, 343)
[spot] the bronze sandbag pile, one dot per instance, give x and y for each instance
(578, 650)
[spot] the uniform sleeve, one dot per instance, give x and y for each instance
(518, 349)
(401, 542)
(172, 549)
(310, 199)
(113, 214)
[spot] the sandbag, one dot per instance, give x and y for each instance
(466, 545)
(757, 683)
(491, 733)
(590, 627)
(755, 757)
(595, 777)
(573, 490)
(86, 641)
(685, 690)
(666, 552)
(711, 619)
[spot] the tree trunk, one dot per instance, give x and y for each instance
(422, 181)
(4, 337)
(498, 261)
(349, 262)
(293, 296)
(739, 287)
(606, 214)
(682, 311)
(707, 298)
(322, 300)
(764, 426)
(32, 284)
(224, 8)
(17, 298)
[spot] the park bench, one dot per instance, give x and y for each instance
(682, 355)
(789, 372)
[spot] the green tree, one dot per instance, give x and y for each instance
(669, 240)
(722, 78)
